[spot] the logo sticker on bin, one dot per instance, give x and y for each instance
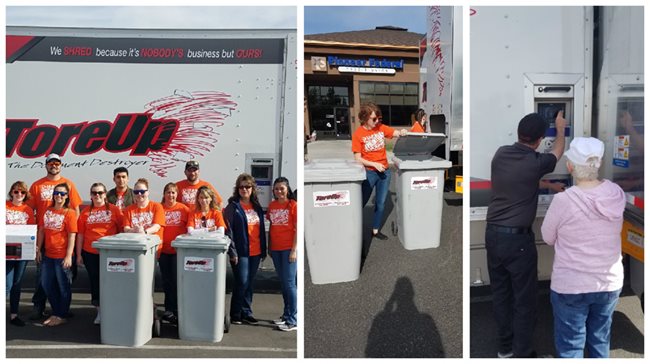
(120, 265)
(424, 183)
(331, 198)
(199, 264)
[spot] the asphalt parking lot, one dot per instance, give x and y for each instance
(79, 338)
(404, 304)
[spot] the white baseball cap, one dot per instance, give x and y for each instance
(52, 156)
(581, 149)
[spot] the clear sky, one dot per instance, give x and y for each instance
(175, 17)
(328, 19)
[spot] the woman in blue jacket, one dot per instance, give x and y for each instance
(245, 219)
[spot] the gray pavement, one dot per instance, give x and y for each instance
(79, 338)
(404, 304)
(627, 326)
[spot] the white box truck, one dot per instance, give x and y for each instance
(150, 100)
(587, 61)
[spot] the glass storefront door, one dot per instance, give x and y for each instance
(329, 111)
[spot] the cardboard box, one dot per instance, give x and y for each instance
(21, 242)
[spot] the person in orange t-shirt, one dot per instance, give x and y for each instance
(283, 215)
(369, 149)
(206, 215)
(57, 230)
(187, 188)
(17, 213)
(245, 220)
(176, 215)
(144, 216)
(96, 221)
(420, 123)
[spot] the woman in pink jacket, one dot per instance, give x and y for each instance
(583, 224)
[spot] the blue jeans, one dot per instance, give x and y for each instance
(91, 261)
(242, 291)
(287, 273)
(381, 180)
(167, 264)
(56, 282)
(15, 270)
(580, 318)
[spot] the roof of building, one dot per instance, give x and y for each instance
(381, 36)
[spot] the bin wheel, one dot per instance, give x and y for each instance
(156, 327)
(393, 228)
(226, 324)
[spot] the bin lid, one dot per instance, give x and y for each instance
(431, 163)
(127, 241)
(204, 240)
(417, 146)
(334, 170)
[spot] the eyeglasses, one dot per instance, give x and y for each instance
(18, 192)
(53, 164)
(95, 193)
(245, 187)
(139, 192)
(374, 119)
(59, 193)
(204, 222)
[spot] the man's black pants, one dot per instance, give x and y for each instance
(512, 265)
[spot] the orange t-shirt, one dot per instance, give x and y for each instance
(19, 215)
(41, 192)
(254, 244)
(57, 225)
(149, 215)
(370, 143)
(97, 223)
(417, 128)
(175, 225)
(212, 218)
(283, 217)
(187, 193)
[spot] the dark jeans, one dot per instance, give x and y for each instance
(167, 264)
(39, 299)
(287, 273)
(512, 264)
(242, 291)
(381, 180)
(91, 261)
(56, 282)
(15, 271)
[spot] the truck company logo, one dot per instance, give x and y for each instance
(331, 198)
(170, 130)
(143, 219)
(16, 217)
(435, 42)
(99, 217)
(52, 220)
(252, 217)
(189, 196)
(46, 192)
(173, 218)
(373, 142)
(198, 264)
(279, 217)
(120, 265)
(424, 183)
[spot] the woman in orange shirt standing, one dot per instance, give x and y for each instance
(57, 230)
(17, 213)
(369, 149)
(207, 216)
(283, 215)
(97, 220)
(176, 217)
(144, 216)
(420, 124)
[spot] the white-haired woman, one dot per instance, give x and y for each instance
(583, 224)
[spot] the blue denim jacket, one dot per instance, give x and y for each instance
(235, 217)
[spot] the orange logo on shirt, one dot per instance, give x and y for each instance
(142, 219)
(252, 217)
(53, 220)
(374, 142)
(99, 217)
(279, 217)
(17, 217)
(189, 196)
(173, 218)
(46, 192)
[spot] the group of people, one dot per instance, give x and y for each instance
(65, 236)
(583, 224)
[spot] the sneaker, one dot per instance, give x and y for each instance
(37, 314)
(279, 321)
(235, 321)
(169, 318)
(379, 236)
(287, 327)
(97, 320)
(16, 321)
(250, 320)
(507, 355)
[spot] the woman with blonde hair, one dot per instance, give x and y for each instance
(245, 219)
(206, 216)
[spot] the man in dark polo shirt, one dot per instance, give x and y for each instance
(510, 243)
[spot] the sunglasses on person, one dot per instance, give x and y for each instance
(204, 221)
(53, 164)
(97, 193)
(245, 187)
(139, 192)
(59, 193)
(19, 192)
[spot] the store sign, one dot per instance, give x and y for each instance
(383, 71)
(370, 63)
